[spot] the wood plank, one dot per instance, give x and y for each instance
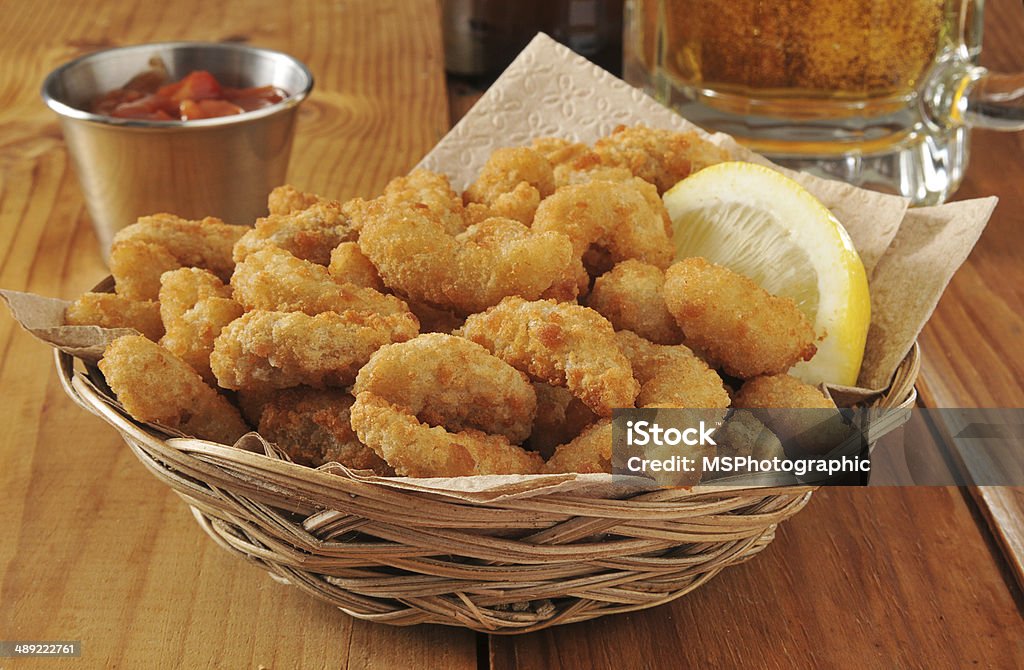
(95, 549)
(867, 578)
(972, 345)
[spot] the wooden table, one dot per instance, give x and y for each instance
(95, 549)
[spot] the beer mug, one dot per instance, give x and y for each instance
(877, 93)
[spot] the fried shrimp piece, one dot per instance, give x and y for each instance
(661, 157)
(561, 416)
(804, 418)
(449, 381)
(348, 264)
(511, 185)
(743, 435)
(519, 204)
(109, 310)
(415, 449)
(615, 216)
(782, 391)
(576, 163)
(506, 170)
(155, 386)
(429, 190)
(313, 427)
(467, 273)
(287, 200)
(739, 324)
(591, 451)
(561, 344)
(273, 279)
(195, 306)
(310, 234)
(671, 376)
(632, 297)
(264, 349)
(155, 244)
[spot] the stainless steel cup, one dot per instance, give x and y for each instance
(222, 167)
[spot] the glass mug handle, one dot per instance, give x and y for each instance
(962, 93)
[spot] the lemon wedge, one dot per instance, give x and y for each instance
(764, 225)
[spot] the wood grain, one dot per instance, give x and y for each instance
(972, 349)
(94, 548)
(866, 578)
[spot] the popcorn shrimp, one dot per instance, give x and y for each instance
(273, 279)
(310, 234)
(109, 310)
(614, 216)
(671, 376)
(631, 296)
(348, 264)
(155, 244)
(739, 324)
(155, 386)
(661, 157)
(415, 449)
(470, 272)
(264, 349)
(449, 381)
(561, 344)
(313, 427)
(195, 306)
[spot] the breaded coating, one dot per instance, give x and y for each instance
(519, 204)
(804, 418)
(746, 329)
(310, 234)
(467, 273)
(155, 244)
(429, 190)
(661, 157)
(632, 297)
(272, 279)
(591, 451)
(449, 381)
(783, 391)
(511, 185)
(287, 200)
(743, 435)
(505, 170)
(671, 376)
(155, 386)
(194, 306)
(415, 449)
(615, 216)
(313, 427)
(265, 349)
(561, 344)
(576, 163)
(109, 310)
(561, 416)
(348, 264)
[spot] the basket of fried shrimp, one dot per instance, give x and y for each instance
(402, 405)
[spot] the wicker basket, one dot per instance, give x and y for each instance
(407, 557)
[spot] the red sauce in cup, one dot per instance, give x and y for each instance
(198, 95)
